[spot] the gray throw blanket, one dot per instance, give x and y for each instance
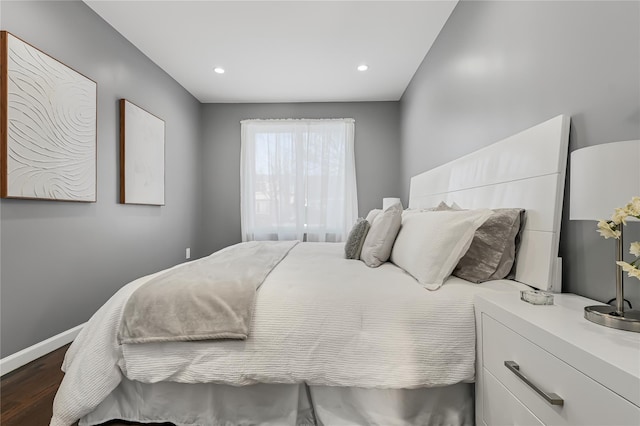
(210, 298)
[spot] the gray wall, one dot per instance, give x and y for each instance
(497, 68)
(500, 67)
(377, 149)
(61, 261)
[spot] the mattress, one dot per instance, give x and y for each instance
(319, 319)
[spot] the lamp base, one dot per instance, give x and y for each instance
(606, 315)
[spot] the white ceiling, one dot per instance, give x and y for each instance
(282, 51)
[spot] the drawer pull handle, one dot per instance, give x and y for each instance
(551, 398)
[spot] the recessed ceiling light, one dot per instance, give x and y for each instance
(219, 70)
(363, 67)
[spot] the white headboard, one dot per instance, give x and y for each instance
(525, 170)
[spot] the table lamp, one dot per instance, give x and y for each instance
(388, 202)
(605, 177)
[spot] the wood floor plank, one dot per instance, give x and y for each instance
(26, 394)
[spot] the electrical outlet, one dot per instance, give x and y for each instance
(188, 253)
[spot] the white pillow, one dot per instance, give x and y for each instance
(372, 215)
(430, 244)
(382, 233)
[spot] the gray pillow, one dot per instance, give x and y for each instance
(492, 253)
(372, 215)
(443, 207)
(379, 240)
(512, 273)
(353, 246)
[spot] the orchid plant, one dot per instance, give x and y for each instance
(611, 229)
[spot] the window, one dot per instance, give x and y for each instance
(298, 180)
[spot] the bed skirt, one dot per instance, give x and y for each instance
(274, 404)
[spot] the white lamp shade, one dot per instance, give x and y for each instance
(604, 177)
(388, 202)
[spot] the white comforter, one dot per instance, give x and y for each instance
(319, 319)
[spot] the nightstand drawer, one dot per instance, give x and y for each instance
(586, 402)
(502, 408)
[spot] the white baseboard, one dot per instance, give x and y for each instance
(25, 356)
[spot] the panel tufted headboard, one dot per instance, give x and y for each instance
(525, 170)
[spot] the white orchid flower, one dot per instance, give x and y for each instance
(631, 270)
(605, 229)
(634, 207)
(619, 216)
(626, 267)
(610, 229)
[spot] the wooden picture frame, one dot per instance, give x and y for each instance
(142, 146)
(48, 126)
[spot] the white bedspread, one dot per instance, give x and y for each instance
(319, 319)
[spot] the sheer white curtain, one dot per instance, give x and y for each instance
(298, 180)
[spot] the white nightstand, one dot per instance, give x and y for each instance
(594, 371)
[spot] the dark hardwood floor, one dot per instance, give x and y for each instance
(26, 394)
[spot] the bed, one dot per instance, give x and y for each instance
(333, 341)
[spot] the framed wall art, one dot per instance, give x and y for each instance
(141, 156)
(48, 126)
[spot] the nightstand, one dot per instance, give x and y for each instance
(547, 365)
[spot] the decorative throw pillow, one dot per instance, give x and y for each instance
(492, 253)
(455, 206)
(430, 244)
(353, 246)
(523, 219)
(379, 240)
(440, 207)
(443, 207)
(372, 215)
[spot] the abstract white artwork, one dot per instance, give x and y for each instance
(48, 144)
(141, 156)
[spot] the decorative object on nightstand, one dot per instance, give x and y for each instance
(536, 297)
(390, 201)
(603, 178)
